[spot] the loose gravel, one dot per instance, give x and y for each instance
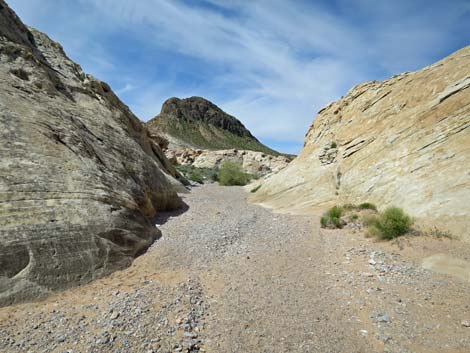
(228, 276)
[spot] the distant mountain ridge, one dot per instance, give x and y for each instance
(196, 122)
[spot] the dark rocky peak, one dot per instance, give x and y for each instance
(12, 28)
(198, 109)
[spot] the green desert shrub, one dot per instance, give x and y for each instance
(354, 217)
(392, 223)
(198, 175)
(334, 144)
(255, 189)
(367, 206)
(349, 207)
(232, 174)
(332, 218)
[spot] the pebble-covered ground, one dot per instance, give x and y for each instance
(228, 276)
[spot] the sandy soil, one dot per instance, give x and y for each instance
(228, 276)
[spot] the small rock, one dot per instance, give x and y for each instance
(466, 323)
(103, 340)
(114, 315)
(385, 339)
(383, 318)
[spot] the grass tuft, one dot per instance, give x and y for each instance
(332, 218)
(439, 233)
(367, 206)
(354, 217)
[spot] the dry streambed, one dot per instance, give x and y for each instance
(228, 276)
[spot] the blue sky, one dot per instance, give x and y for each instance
(273, 64)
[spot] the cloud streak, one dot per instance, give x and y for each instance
(272, 64)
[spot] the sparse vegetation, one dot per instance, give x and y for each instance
(439, 233)
(332, 218)
(198, 175)
(232, 174)
(334, 144)
(207, 136)
(367, 206)
(354, 217)
(392, 223)
(369, 220)
(256, 189)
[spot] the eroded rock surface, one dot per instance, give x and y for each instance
(256, 163)
(403, 142)
(81, 181)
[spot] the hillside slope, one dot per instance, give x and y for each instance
(199, 124)
(81, 182)
(403, 142)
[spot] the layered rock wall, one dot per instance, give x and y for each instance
(403, 142)
(81, 181)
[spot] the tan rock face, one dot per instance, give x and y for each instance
(257, 163)
(80, 180)
(403, 142)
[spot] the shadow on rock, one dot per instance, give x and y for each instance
(163, 217)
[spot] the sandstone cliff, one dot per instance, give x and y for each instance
(256, 163)
(197, 123)
(403, 142)
(81, 182)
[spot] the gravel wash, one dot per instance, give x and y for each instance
(229, 276)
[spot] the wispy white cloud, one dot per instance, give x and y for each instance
(127, 88)
(271, 63)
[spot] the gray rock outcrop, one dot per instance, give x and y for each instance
(81, 181)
